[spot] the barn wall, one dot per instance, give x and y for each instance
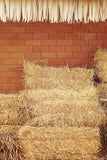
(53, 44)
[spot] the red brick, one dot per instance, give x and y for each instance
(4, 24)
(4, 68)
(32, 55)
(10, 36)
(24, 24)
(20, 61)
(64, 29)
(80, 55)
(24, 48)
(43, 61)
(92, 24)
(72, 24)
(48, 54)
(16, 55)
(0, 49)
(49, 29)
(20, 74)
(97, 43)
(102, 36)
(4, 80)
(17, 42)
(80, 29)
(41, 36)
(15, 80)
(4, 42)
(9, 74)
(64, 42)
(1, 36)
(25, 36)
(9, 61)
(4, 55)
(15, 68)
(91, 55)
(4, 29)
(33, 29)
(71, 48)
(17, 29)
(96, 30)
(56, 61)
(64, 54)
(9, 87)
(102, 24)
(88, 49)
(48, 42)
(88, 36)
(9, 49)
(41, 49)
(85, 62)
(33, 42)
(55, 24)
(56, 36)
(56, 48)
(20, 87)
(72, 35)
(80, 42)
(73, 62)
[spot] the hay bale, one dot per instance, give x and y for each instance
(77, 117)
(57, 108)
(102, 90)
(10, 130)
(12, 110)
(44, 77)
(100, 61)
(68, 143)
(9, 149)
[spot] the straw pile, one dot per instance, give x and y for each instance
(60, 111)
(9, 149)
(102, 90)
(68, 143)
(101, 64)
(12, 110)
(101, 72)
(60, 108)
(53, 10)
(10, 130)
(43, 77)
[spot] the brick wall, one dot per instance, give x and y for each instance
(53, 44)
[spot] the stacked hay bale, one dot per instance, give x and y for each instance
(100, 61)
(64, 111)
(9, 149)
(12, 116)
(43, 77)
(70, 143)
(12, 111)
(56, 116)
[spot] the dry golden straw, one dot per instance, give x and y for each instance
(44, 77)
(12, 110)
(59, 108)
(102, 90)
(9, 149)
(53, 10)
(68, 143)
(101, 64)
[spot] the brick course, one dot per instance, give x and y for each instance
(51, 44)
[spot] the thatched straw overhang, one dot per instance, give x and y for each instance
(53, 10)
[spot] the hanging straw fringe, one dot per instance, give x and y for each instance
(53, 10)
